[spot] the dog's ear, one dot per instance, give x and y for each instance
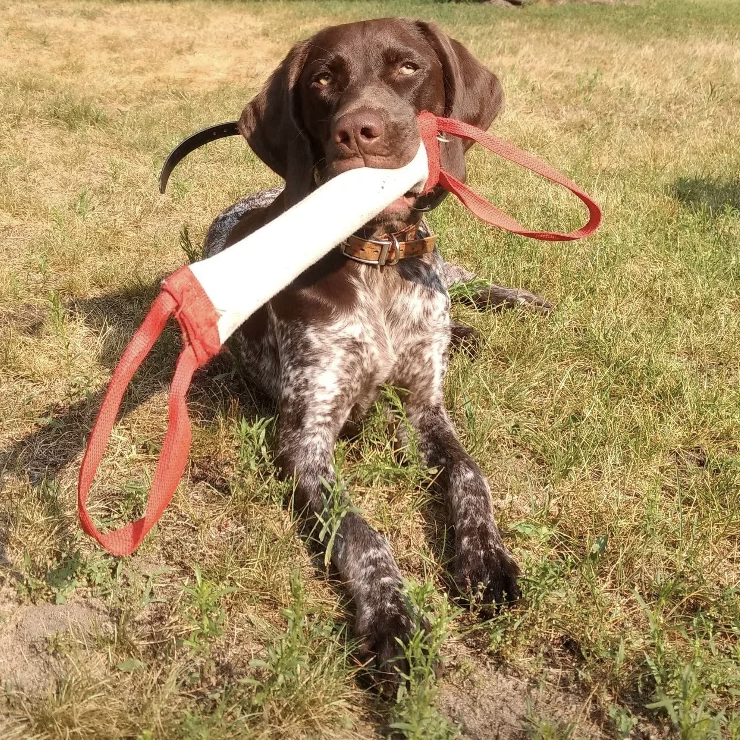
(271, 125)
(472, 92)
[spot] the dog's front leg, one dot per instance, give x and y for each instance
(484, 569)
(490, 296)
(361, 555)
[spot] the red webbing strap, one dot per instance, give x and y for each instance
(430, 125)
(182, 295)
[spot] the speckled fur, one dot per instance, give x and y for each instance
(325, 375)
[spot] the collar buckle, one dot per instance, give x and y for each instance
(385, 248)
(383, 257)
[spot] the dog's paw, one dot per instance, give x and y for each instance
(383, 629)
(485, 572)
(497, 298)
(465, 338)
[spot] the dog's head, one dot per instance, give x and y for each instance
(348, 97)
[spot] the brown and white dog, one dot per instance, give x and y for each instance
(348, 97)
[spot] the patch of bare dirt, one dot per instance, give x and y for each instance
(489, 703)
(29, 658)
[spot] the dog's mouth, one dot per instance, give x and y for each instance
(405, 203)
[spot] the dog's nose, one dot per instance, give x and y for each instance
(360, 132)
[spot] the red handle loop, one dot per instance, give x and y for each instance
(182, 295)
(430, 125)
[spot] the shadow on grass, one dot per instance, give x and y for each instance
(63, 428)
(703, 193)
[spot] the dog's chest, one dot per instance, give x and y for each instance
(397, 319)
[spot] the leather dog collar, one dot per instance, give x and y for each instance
(388, 251)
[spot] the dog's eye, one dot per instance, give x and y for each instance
(408, 68)
(323, 79)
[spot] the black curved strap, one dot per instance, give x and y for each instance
(219, 131)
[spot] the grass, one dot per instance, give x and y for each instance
(609, 430)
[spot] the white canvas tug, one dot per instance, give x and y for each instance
(246, 275)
